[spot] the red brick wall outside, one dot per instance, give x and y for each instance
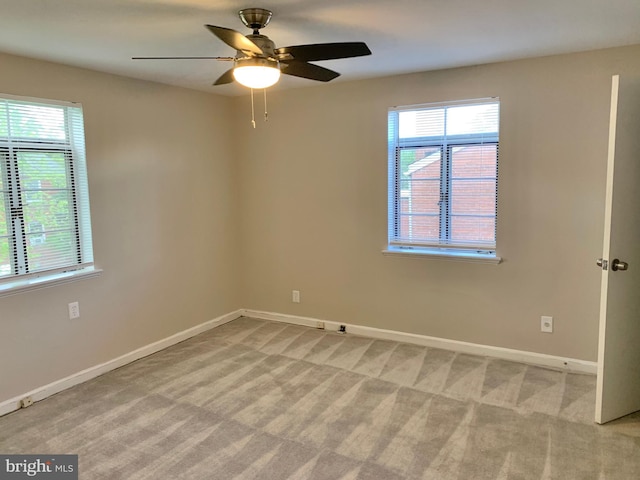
(473, 186)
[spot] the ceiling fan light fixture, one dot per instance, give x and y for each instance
(256, 72)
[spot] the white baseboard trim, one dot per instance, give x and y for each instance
(41, 393)
(533, 358)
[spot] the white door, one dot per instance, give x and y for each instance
(618, 385)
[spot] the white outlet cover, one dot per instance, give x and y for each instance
(74, 310)
(546, 324)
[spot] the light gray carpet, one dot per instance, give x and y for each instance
(261, 400)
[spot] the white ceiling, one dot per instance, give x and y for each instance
(404, 35)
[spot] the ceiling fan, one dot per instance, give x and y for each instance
(258, 63)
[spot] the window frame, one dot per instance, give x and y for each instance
(15, 195)
(445, 144)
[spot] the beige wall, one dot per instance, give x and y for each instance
(314, 207)
(171, 171)
(161, 174)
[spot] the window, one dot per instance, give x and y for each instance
(45, 227)
(443, 173)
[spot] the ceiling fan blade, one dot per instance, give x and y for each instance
(184, 58)
(324, 51)
(235, 40)
(226, 77)
(307, 70)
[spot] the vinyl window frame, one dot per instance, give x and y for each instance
(482, 253)
(16, 198)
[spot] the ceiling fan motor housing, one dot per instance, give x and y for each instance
(264, 42)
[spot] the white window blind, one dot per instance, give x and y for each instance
(45, 225)
(443, 176)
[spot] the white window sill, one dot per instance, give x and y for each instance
(21, 285)
(439, 254)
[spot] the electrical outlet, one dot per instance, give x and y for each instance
(74, 310)
(546, 324)
(295, 296)
(320, 325)
(26, 402)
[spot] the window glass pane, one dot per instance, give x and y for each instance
(473, 179)
(47, 209)
(3, 171)
(421, 123)
(474, 161)
(37, 122)
(420, 227)
(51, 210)
(473, 229)
(420, 180)
(50, 250)
(420, 193)
(422, 196)
(4, 199)
(472, 119)
(473, 196)
(4, 229)
(42, 170)
(420, 162)
(5, 265)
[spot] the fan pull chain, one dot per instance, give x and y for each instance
(266, 115)
(253, 112)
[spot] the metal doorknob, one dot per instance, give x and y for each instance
(599, 262)
(618, 265)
